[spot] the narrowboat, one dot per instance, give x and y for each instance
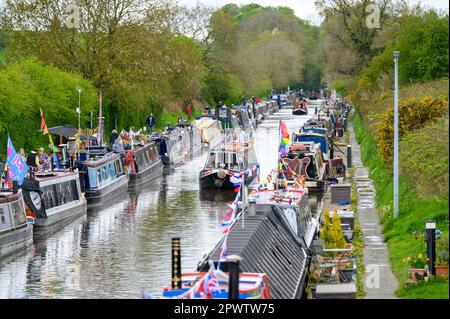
(305, 158)
(54, 199)
(144, 164)
(102, 175)
(299, 110)
(15, 232)
(311, 136)
(170, 146)
(209, 127)
(191, 138)
(273, 236)
(228, 165)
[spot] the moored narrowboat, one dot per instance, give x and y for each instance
(305, 159)
(170, 147)
(102, 176)
(227, 166)
(277, 229)
(144, 164)
(15, 232)
(54, 198)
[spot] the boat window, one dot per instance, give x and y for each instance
(311, 168)
(66, 192)
(105, 173)
(2, 216)
(153, 153)
(49, 196)
(119, 168)
(147, 158)
(291, 217)
(112, 169)
(211, 163)
(93, 177)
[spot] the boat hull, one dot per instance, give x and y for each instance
(300, 111)
(212, 181)
(99, 198)
(62, 216)
(150, 173)
(16, 240)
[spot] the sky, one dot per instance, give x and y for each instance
(304, 9)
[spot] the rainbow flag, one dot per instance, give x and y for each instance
(285, 139)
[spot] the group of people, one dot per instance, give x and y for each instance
(36, 161)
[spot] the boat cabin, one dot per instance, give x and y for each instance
(234, 157)
(98, 167)
(305, 158)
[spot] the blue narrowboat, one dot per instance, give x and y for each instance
(102, 176)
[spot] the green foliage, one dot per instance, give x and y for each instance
(424, 158)
(422, 40)
(332, 234)
(29, 85)
(414, 211)
(413, 114)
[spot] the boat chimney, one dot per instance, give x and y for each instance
(252, 207)
(176, 263)
(233, 280)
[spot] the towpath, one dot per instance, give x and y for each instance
(379, 281)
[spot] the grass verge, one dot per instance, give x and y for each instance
(414, 211)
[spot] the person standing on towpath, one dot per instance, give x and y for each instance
(150, 123)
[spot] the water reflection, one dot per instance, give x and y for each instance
(119, 250)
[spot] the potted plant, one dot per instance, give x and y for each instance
(442, 258)
(417, 264)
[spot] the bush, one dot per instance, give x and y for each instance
(424, 159)
(27, 86)
(413, 115)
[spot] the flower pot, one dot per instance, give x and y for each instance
(417, 273)
(442, 271)
(346, 275)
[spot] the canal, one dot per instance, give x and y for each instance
(125, 248)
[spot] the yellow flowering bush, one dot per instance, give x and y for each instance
(413, 114)
(416, 262)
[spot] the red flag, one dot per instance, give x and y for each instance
(43, 125)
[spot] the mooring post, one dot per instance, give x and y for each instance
(176, 263)
(233, 280)
(431, 245)
(349, 156)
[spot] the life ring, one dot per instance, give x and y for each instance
(221, 173)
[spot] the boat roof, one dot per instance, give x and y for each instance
(266, 245)
(56, 174)
(6, 195)
(233, 147)
(305, 147)
(279, 197)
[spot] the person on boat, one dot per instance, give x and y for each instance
(243, 136)
(33, 160)
(180, 119)
(189, 112)
(304, 104)
(113, 137)
(296, 104)
(118, 147)
(44, 159)
(150, 123)
(22, 154)
(219, 105)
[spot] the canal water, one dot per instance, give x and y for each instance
(125, 248)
